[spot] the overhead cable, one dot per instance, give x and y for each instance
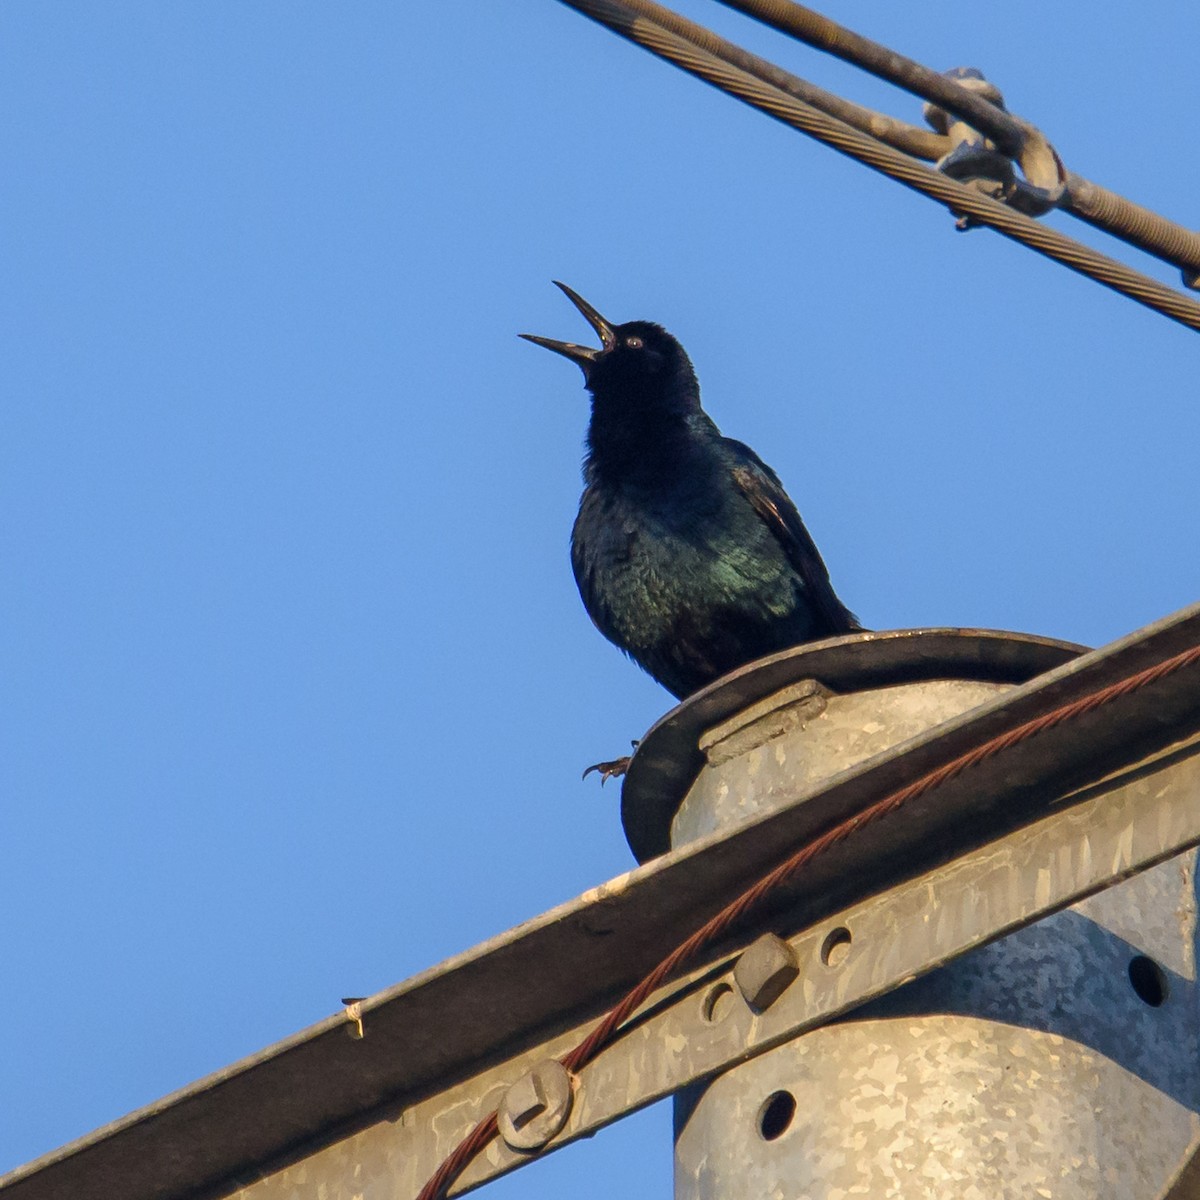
(630, 19)
(1149, 231)
(912, 139)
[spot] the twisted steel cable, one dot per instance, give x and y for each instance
(1088, 201)
(912, 139)
(618, 16)
(714, 929)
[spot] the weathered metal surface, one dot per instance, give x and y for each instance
(700, 1025)
(672, 754)
(468, 1019)
(1046, 1063)
(1186, 1185)
(782, 759)
(1030, 1067)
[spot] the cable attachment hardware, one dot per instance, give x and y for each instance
(537, 1106)
(978, 163)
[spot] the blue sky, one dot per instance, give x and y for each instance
(296, 684)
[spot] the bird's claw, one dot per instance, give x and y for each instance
(613, 769)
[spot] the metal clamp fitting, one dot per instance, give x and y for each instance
(975, 161)
(536, 1107)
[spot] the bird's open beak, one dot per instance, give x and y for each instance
(583, 356)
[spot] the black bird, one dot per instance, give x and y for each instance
(687, 552)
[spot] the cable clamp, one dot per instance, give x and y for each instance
(1041, 182)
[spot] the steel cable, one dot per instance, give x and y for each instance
(1096, 205)
(818, 31)
(715, 928)
(912, 139)
(1141, 227)
(648, 34)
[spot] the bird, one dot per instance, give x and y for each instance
(687, 551)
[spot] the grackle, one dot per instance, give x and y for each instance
(687, 551)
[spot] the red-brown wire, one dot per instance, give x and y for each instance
(713, 929)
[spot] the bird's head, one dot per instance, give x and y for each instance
(637, 364)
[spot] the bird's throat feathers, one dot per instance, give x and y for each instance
(645, 423)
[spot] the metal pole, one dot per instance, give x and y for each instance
(1060, 1061)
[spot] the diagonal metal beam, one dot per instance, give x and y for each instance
(1135, 820)
(438, 1049)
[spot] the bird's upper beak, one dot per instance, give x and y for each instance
(583, 356)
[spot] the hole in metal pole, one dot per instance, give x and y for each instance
(1148, 980)
(776, 1115)
(717, 1002)
(835, 947)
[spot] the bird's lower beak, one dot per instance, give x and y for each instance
(582, 356)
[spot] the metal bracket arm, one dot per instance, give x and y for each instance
(702, 1025)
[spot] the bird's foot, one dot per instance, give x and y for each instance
(613, 769)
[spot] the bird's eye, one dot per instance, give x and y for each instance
(634, 343)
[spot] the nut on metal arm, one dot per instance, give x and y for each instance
(765, 971)
(977, 162)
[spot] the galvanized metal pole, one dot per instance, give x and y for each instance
(1061, 1061)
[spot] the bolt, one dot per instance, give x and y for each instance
(536, 1107)
(525, 1100)
(765, 970)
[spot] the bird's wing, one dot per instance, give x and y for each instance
(762, 488)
